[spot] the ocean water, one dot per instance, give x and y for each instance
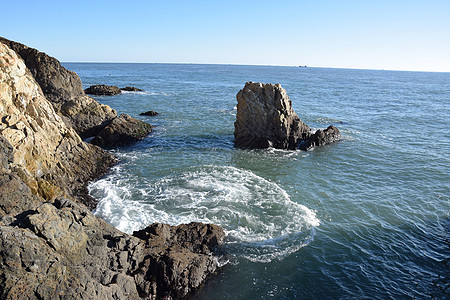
(364, 218)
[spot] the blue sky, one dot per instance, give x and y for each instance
(395, 35)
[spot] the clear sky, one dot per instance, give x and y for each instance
(375, 34)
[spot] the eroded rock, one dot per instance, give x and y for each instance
(61, 250)
(123, 130)
(51, 156)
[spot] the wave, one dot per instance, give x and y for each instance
(261, 221)
(147, 93)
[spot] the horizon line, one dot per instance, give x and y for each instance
(251, 65)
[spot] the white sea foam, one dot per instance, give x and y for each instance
(261, 221)
(150, 93)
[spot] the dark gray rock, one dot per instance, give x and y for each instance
(131, 89)
(180, 256)
(62, 251)
(265, 118)
(103, 90)
(320, 138)
(122, 131)
(6, 153)
(149, 113)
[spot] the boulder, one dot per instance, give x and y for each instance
(64, 90)
(182, 256)
(320, 138)
(149, 113)
(265, 118)
(122, 131)
(131, 89)
(103, 90)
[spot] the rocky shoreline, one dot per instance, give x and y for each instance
(51, 245)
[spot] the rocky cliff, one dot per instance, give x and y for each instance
(64, 90)
(265, 118)
(51, 245)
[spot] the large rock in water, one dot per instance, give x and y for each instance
(64, 90)
(122, 131)
(103, 90)
(265, 118)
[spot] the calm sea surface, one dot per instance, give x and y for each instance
(367, 217)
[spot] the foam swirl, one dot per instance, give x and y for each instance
(261, 220)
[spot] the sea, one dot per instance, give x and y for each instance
(364, 218)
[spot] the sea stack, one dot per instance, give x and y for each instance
(265, 118)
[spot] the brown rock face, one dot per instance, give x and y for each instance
(52, 156)
(64, 90)
(265, 118)
(122, 131)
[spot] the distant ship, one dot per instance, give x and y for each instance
(302, 66)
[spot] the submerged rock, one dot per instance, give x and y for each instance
(149, 113)
(103, 90)
(265, 118)
(122, 131)
(64, 90)
(131, 89)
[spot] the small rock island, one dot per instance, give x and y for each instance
(265, 118)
